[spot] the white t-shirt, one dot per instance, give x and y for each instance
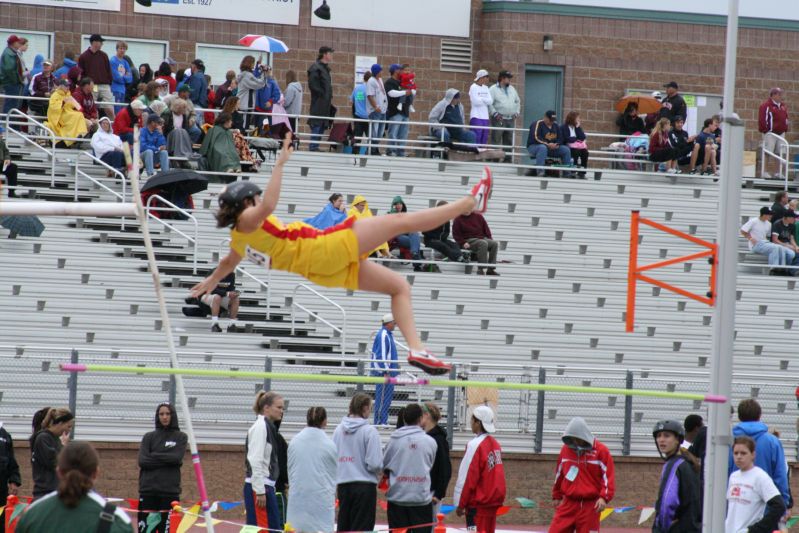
(759, 229)
(375, 89)
(480, 97)
(747, 494)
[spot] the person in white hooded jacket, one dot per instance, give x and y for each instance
(107, 146)
(408, 458)
(312, 460)
(360, 461)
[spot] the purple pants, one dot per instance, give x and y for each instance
(481, 134)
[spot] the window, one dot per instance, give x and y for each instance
(219, 59)
(38, 43)
(140, 51)
(456, 55)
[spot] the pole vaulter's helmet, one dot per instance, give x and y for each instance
(234, 194)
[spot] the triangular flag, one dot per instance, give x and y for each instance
(17, 511)
(623, 509)
(189, 518)
(446, 509)
(606, 513)
(214, 507)
(646, 514)
(227, 506)
(3, 508)
(526, 503)
(250, 529)
(503, 510)
(153, 521)
(214, 521)
(133, 503)
(791, 521)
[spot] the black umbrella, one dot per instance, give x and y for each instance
(24, 225)
(181, 179)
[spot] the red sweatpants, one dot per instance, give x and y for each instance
(575, 516)
(486, 520)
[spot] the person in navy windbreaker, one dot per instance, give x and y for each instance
(384, 363)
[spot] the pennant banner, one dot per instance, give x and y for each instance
(189, 519)
(153, 520)
(646, 514)
(606, 513)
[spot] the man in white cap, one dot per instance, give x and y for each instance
(384, 364)
(480, 96)
(480, 489)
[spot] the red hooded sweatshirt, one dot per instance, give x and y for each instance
(587, 475)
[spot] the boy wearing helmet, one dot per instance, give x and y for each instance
(331, 257)
(678, 507)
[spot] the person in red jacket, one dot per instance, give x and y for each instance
(480, 489)
(772, 117)
(472, 233)
(584, 481)
(127, 118)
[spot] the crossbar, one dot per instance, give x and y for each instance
(93, 209)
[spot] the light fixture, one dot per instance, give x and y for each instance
(323, 11)
(548, 43)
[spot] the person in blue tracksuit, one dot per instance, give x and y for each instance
(384, 363)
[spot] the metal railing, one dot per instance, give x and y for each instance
(81, 174)
(342, 331)
(783, 156)
(195, 241)
(31, 139)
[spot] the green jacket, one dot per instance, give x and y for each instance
(220, 150)
(398, 200)
(9, 68)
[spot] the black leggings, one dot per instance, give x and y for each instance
(356, 506)
(446, 247)
(155, 502)
(11, 177)
(580, 157)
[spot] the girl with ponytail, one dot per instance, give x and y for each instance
(46, 443)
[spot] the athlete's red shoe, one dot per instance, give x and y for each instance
(428, 362)
(482, 190)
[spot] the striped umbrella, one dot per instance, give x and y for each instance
(264, 43)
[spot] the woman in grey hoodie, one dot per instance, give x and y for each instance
(248, 86)
(360, 461)
(293, 98)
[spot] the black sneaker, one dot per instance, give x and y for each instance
(231, 328)
(215, 328)
(692, 172)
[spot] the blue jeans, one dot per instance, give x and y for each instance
(195, 133)
(410, 241)
(377, 129)
(119, 97)
(539, 152)
(148, 156)
(316, 136)
(398, 133)
(272, 513)
(775, 253)
(384, 394)
(11, 90)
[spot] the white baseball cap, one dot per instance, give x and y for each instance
(485, 414)
(480, 74)
(388, 317)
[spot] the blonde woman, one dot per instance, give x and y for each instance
(660, 148)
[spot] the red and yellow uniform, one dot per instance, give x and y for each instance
(327, 257)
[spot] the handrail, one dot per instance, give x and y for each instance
(342, 330)
(29, 139)
(781, 143)
(78, 172)
(182, 211)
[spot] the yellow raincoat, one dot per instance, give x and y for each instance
(64, 116)
(367, 213)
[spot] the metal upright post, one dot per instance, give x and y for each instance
(267, 368)
(719, 437)
(172, 390)
(628, 417)
(361, 372)
(539, 412)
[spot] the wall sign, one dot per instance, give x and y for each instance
(268, 11)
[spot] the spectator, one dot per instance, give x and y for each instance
(769, 454)
(629, 122)
(705, 148)
(545, 139)
(107, 146)
(126, 119)
(681, 141)
(226, 89)
(333, 213)
(358, 100)
(438, 240)
(376, 103)
(782, 232)
(12, 74)
(480, 98)
(275, 417)
(384, 364)
(68, 63)
(757, 231)
(660, 148)
(164, 72)
(152, 93)
(449, 113)
(408, 83)
(696, 438)
(37, 69)
(754, 503)
(360, 209)
(312, 464)
(152, 142)
(75, 506)
(26, 73)
(232, 106)
(292, 98)
(480, 488)
(224, 296)
(262, 464)
(772, 118)
(411, 240)
(42, 86)
(161, 456)
(84, 95)
(780, 206)
(163, 88)
(408, 459)
(218, 146)
(199, 87)
(397, 113)
(441, 472)
(121, 73)
(321, 86)
(178, 129)
(267, 96)
(574, 137)
(94, 64)
(678, 507)
(504, 110)
(46, 443)
(10, 480)
(673, 102)
(248, 85)
(472, 233)
(360, 461)
(64, 116)
(145, 73)
(8, 169)
(585, 480)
